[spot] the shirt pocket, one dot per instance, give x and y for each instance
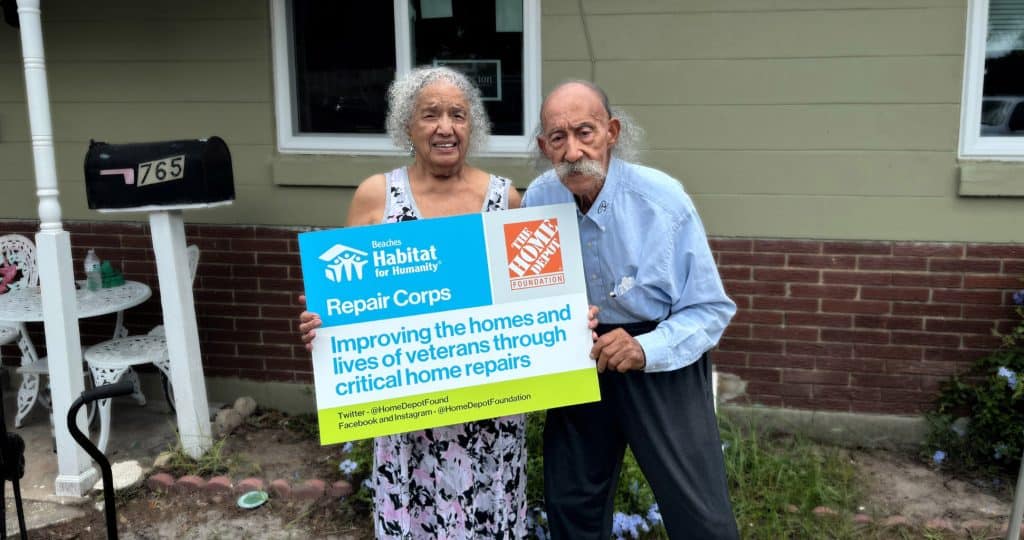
(629, 298)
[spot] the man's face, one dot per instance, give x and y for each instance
(578, 137)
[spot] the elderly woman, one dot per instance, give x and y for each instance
(467, 480)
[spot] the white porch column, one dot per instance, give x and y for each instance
(168, 230)
(75, 474)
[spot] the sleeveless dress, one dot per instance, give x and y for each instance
(461, 481)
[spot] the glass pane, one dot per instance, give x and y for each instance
(1003, 88)
(344, 62)
(484, 39)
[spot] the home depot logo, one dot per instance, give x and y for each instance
(534, 254)
(343, 262)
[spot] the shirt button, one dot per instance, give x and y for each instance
(593, 276)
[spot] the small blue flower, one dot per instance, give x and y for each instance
(1000, 451)
(628, 524)
(348, 467)
(1018, 297)
(536, 520)
(939, 457)
(1010, 376)
(654, 514)
(619, 524)
(347, 447)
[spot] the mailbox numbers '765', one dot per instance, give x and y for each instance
(161, 170)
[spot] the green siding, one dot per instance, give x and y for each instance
(786, 81)
(784, 34)
(854, 173)
(790, 118)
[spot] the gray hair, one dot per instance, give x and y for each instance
(627, 147)
(403, 93)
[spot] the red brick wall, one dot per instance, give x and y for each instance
(246, 293)
(861, 326)
(852, 326)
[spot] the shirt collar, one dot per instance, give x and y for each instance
(602, 209)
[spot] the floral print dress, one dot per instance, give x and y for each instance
(451, 482)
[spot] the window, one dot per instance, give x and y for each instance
(334, 60)
(992, 112)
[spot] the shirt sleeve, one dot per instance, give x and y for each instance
(527, 199)
(699, 311)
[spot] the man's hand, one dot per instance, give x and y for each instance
(308, 323)
(618, 351)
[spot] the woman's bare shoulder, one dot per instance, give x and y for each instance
(368, 202)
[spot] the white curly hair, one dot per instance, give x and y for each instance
(403, 93)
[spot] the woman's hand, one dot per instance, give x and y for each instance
(592, 321)
(308, 323)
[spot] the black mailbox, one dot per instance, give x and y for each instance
(160, 175)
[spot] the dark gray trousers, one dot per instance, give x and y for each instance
(668, 420)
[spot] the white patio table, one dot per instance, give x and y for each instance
(26, 305)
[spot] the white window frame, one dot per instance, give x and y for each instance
(290, 141)
(972, 144)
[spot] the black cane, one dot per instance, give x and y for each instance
(12, 459)
(106, 391)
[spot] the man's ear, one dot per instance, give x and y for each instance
(542, 144)
(613, 130)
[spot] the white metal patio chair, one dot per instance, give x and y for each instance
(18, 270)
(113, 359)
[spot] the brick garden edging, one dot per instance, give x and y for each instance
(222, 486)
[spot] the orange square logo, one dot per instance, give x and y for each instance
(534, 254)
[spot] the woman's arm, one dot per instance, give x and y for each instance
(515, 200)
(367, 207)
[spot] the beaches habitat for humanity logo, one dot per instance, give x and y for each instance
(534, 254)
(343, 262)
(389, 257)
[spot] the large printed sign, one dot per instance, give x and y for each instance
(441, 321)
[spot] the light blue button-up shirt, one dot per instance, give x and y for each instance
(646, 258)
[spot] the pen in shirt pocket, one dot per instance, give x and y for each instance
(623, 287)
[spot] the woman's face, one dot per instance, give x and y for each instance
(439, 127)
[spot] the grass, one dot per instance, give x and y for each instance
(216, 461)
(770, 476)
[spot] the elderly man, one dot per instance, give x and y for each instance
(662, 306)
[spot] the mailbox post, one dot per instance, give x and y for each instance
(163, 179)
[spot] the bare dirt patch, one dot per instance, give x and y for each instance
(900, 484)
(153, 516)
(269, 445)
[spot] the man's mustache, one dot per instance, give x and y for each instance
(584, 167)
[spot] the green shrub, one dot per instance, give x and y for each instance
(355, 464)
(976, 424)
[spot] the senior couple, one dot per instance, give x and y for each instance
(642, 239)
